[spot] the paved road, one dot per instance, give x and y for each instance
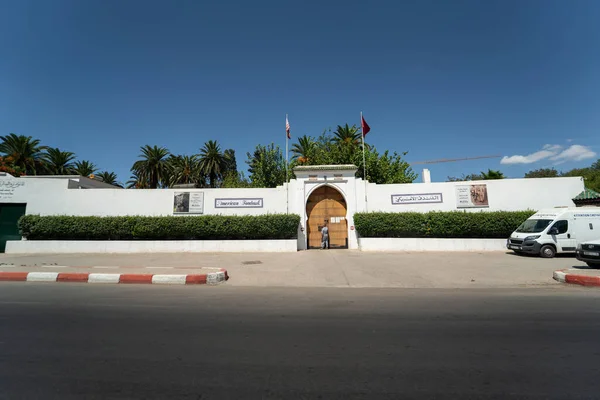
(77, 341)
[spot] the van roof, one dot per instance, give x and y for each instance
(556, 212)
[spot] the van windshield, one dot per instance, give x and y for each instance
(534, 225)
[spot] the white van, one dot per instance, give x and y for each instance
(556, 230)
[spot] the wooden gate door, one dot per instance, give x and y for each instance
(327, 204)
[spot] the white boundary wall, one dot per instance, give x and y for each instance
(46, 196)
(429, 244)
(149, 246)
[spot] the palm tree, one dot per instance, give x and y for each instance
(58, 162)
(212, 161)
(108, 177)
(137, 181)
(84, 168)
(492, 174)
(348, 139)
(153, 166)
(347, 135)
(183, 170)
(230, 161)
(25, 152)
(303, 151)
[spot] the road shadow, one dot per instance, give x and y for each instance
(584, 267)
(527, 255)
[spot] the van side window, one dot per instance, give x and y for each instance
(561, 226)
(591, 226)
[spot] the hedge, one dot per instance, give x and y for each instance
(453, 224)
(209, 227)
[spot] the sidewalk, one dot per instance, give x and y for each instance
(583, 276)
(332, 268)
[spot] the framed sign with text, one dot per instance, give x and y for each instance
(472, 196)
(239, 203)
(418, 198)
(188, 203)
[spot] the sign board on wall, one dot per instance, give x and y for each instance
(239, 203)
(188, 202)
(8, 188)
(471, 196)
(419, 198)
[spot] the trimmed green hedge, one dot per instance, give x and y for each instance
(453, 224)
(209, 227)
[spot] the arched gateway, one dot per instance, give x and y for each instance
(326, 204)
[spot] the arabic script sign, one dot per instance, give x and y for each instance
(419, 198)
(238, 203)
(7, 188)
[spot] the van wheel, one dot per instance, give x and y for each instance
(547, 251)
(593, 264)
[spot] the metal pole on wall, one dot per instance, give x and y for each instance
(287, 137)
(362, 135)
(287, 164)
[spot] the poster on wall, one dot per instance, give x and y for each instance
(471, 196)
(419, 198)
(8, 188)
(188, 202)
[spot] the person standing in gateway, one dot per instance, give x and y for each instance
(325, 236)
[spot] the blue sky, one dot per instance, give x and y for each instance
(439, 79)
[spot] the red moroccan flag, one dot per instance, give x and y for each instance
(365, 127)
(287, 128)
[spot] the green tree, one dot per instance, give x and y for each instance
(463, 178)
(591, 177)
(230, 161)
(153, 166)
(235, 180)
(58, 162)
(7, 165)
(348, 141)
(347, 135)
(84, 168)
(137, 181)
(108, 177)
(212, 162)
(542, 173)
(492, 174)
(183, 170)
(304, 152)
(266, 166)
(385, 168)
(24, 151)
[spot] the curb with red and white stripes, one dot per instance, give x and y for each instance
(584, 280)
(211, 278)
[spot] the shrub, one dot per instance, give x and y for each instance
(209, 227)
(453, 224)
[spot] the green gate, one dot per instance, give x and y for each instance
(9, 216)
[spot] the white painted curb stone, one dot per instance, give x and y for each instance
(170, 279)
(215, 277)
(104, 278)
(560, 276)
(42, 276)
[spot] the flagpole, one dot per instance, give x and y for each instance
(362, 131)
(287, 164)
(287, 154)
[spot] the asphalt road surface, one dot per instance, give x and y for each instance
(81, 341)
